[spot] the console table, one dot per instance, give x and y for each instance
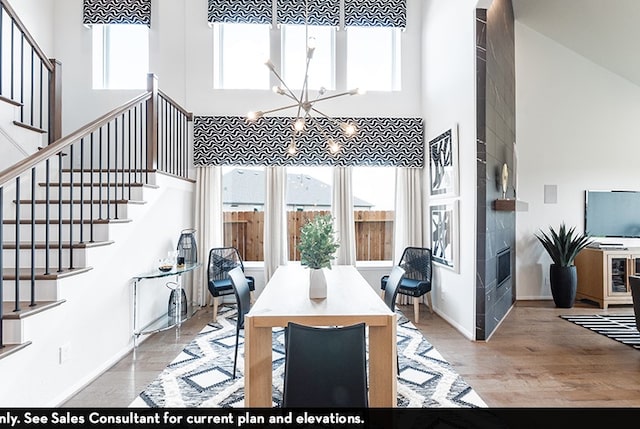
(163, 322)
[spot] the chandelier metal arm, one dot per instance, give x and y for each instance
(341, 94)
(290, 94)
(291, 106)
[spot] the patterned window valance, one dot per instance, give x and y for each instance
(229, 140)
(241, 11)
(321, 12)
(375, 13)
(116, 12)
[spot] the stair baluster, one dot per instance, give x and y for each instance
(32, 274)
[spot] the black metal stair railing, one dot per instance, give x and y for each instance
(79, 181)
(28, 79)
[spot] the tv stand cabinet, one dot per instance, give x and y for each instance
(603, 274)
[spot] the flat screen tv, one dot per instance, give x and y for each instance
(612, 213)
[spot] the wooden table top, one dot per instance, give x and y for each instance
(349, 296)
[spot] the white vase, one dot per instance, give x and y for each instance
(317, 284)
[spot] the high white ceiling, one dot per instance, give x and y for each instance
(605, 31)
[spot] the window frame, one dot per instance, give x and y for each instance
(102, 66)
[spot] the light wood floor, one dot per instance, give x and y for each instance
(534, 359)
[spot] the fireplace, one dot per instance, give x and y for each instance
(503, 266)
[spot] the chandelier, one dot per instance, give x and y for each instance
(306, 107)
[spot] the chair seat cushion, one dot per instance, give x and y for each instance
(409, 287)
(224, 287)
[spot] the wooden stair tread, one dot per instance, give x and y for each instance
(10, 349)
(66, 221)
(103, 185)
(103, 201)
(25, 273)
(10, 101)
(104, 170)
(30, 127)
(26, 310)
(54, 245)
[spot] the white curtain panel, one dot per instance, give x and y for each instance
(208, 224)
(409, 217)
(275, 221)
(342, 208)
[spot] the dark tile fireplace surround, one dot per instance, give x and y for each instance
(495, 73)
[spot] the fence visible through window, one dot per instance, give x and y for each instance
(373, 229)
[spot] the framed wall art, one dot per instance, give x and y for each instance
(443, 164)
(444, 234)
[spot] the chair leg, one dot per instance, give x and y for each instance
(235, 358)
(215, 308)
(429, 302)
(416, 308)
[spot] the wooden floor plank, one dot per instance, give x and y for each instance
(534, 359)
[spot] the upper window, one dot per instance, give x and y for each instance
(373, 48)
(240, 51)
(120, 56)
(321, 66)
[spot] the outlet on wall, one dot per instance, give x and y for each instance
(64, 353)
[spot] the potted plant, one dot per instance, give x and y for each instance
(563, 247)
(317, 248)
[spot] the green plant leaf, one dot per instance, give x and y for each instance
(563, 246)
(317, 243)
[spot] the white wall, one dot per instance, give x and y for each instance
(448, 98)
(37, 17)
(181, 55)
(577, 127)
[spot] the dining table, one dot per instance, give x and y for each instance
(350, 300)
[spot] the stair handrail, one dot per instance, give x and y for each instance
(23, 28)
(56, 147)
(32, 107)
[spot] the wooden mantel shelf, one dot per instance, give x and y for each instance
(510, 205)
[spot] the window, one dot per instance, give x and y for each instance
(240, 51)
(308, 194)
(373, 204)
(373, 48)
(120, 56)
(243, 210)
(321, 67)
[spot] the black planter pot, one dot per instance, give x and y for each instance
(564, 281)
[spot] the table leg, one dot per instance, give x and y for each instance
(258, 370)
(135, 314)
(382, 365)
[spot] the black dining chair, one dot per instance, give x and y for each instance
(221, 261)
(243, 300)
(325, 367)
(417, 264)
(391, 293)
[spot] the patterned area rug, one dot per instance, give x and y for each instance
(202, 375)
(621, 328)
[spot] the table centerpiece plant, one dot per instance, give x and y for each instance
(317, 247)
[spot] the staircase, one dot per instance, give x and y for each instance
(79, 218)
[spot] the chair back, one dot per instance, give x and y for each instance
(221, 261)
(393, 285)
(242, 292)
(416, 262)
(325, 367)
